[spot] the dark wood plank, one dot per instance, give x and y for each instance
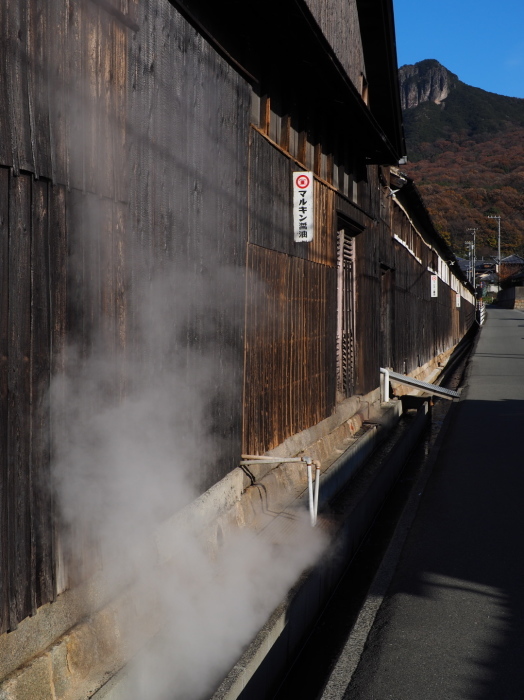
(106, 315)
(58, 276)
(119, 116)
(92, 48)
(58, 78)
(76, 81)
(106, 130)
(21, 536)
(43, 516)
(4, 334)
(37, 68)
(121, 252)
(6, 155)
(16, 37)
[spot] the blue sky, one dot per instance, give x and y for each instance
(482, 42)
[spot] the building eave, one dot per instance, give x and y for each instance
(377, 25)
(265, 49)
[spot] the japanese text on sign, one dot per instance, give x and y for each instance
(303, 214)
(457, 301)
(434, 285)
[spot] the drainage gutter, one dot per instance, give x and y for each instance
(274, 647)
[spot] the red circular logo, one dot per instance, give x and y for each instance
(302, 182)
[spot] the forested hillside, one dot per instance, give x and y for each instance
(466, 152)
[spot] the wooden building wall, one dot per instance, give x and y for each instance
(399, 324)
(123, 159)
(291, 313)
(340, 26)
(290, 341)
(126, 156)
(33, 253)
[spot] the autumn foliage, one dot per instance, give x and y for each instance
(463, 182)
(467, 159)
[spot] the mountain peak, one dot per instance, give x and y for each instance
(425, 81)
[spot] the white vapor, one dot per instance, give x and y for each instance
(126, 461)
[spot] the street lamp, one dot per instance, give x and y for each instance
(498, 256)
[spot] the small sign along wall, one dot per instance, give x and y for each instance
(434, 285)
(303, 207)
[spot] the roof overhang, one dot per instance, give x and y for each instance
(377, 26)
(278, 42)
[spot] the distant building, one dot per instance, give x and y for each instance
(511, 269)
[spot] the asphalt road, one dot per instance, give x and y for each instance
(452, 622)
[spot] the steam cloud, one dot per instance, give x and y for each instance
(133, 427)
(125, 461)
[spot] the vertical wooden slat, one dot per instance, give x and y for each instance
(290, 353)
(93, 48)
(16, 33)
(121, 269)
(37, 66)
(119, 70)
(105, 123)
(21, 535)
(58, 277)
(105, 316)
(5, 115)
(40, 376)
(4, 353)
(78, 109)
(57, 47)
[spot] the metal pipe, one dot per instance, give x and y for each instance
(317, 491)
(310, 489)
(385, 389)
(265, 459)
(313, 492)
(268, 458)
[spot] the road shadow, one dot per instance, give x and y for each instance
(452, 623)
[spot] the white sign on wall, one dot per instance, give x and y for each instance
(457, 301)
(434, 285)
(303, 211)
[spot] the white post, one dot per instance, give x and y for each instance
(385, 385)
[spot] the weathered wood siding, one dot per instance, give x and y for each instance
(398, 324)
(340, 26)
(29, 318)
(123, 159)
(290, 377)
(290, 341)
(126, 158)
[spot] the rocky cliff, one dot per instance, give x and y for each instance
(427, 81)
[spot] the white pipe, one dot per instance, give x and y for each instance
(310, 489)
(385, 390)
(317, 490)
(312, 492)
(265, 459)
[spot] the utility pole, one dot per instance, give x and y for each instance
(469, 246)
(474, 254)
(498, 255)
